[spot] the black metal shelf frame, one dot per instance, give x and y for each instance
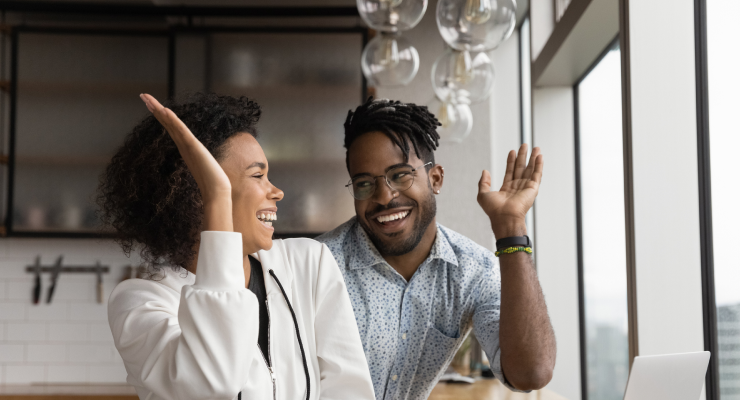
(170, 33)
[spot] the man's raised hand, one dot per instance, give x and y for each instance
(508, 207)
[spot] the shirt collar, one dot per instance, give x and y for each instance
(363, 253)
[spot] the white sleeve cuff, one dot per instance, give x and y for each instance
(220, 261)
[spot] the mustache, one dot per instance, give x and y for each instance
(395, 203)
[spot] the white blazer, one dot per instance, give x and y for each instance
(195, 337)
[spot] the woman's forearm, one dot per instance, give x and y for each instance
(217, 215)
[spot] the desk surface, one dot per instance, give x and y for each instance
(486, 389)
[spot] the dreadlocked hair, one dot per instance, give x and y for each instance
(406, 124)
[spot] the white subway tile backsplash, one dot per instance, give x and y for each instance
(114, 373)
(26, 331)
(15, 268)
(24, 374)
(46, 353)
(66, 374)
(11, 352)
(56, 311)
(100, 332)
(75, 288)
(65, 332)
(14, 311)
(20, 289)
(88, 312)
(89, 353)
(67, 341)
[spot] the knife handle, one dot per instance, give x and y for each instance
(37, 289)
(100, 292)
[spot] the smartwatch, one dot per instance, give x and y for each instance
(513, 241)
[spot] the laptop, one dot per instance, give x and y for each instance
(669, 376)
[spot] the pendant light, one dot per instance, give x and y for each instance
(389, 59)
(476, 25)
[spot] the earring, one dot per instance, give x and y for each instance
(437, 192)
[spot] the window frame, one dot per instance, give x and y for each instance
(709, 305)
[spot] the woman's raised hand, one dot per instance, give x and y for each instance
(214, 184)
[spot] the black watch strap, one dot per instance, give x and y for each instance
(513, 241)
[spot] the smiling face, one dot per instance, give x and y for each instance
(254, 198)
(395, 221)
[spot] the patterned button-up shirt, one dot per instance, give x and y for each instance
(411, 330)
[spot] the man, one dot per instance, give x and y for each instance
(417, 288)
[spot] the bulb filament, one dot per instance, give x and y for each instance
(388, 53)
(462, 69)
(478, 11)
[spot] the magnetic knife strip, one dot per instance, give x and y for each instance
(71, 268)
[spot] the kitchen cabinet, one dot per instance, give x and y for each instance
(76, 98)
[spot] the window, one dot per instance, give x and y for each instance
(602, 250)
(724, 86)
(525, 79)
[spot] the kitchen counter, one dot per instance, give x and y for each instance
(67, 392)
(485, 389)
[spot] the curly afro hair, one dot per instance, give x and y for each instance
(147, 194)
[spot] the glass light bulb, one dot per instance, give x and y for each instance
(478, 11)
(392, 15)
(463, 77)
(389, 60)
(476, 25)
(391, 3)
(456, 120)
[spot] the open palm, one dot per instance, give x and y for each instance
(214, 184)
(517, 193)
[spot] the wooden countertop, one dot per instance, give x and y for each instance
(485, 389)
(67, 392)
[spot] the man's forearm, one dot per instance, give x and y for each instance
(526, 337)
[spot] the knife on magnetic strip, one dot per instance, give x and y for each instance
(37, 279)
(54, 277)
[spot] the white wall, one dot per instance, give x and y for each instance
(67, 341)
(557, 259)
(505, 104)
(669, 304)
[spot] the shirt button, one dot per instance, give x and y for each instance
(403, 336)
(395, 377)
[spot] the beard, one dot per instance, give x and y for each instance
(396, 244)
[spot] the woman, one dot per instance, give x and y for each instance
(250, 318)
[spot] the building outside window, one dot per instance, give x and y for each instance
(724, 103)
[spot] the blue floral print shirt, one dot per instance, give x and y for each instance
(411, 330)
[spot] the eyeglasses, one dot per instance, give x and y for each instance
(398, 179)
